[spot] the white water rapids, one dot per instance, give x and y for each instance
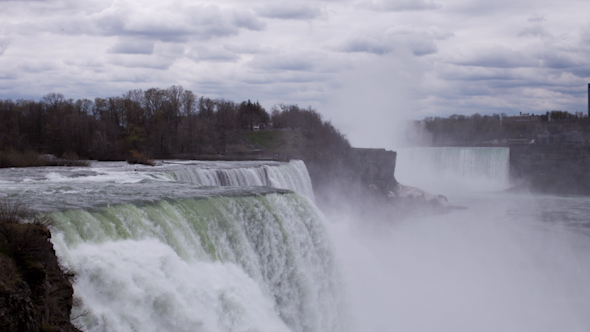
(190, 246)
(162, 249)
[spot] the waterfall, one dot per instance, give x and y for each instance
(454, 167)
(292, 175)
(239, 263)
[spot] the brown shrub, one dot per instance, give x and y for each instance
(136, 157)
(20, 159)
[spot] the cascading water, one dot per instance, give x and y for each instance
(270, 250)
(152, 254)
(292, 175)
(454, 168)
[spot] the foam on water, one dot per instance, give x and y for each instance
(143, 285)
(215, 264)
(292, 175)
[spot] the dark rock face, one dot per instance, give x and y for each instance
(352, 175)
(35, 294)
(374, 167)
(559, 169)
(17, 312)
(362, 183)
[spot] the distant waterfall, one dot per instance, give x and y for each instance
(292, 176)
(249, 263)
(472, 168)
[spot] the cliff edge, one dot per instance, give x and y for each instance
(35, 294)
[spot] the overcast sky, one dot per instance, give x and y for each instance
(364, 64)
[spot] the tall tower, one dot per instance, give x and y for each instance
(589, 99)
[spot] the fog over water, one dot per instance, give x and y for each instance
(509, 262)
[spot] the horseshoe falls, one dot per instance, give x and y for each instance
(156, 250)
(454, 169)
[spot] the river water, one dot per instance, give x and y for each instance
(240, 246)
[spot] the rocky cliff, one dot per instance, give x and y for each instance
(561, 169)
(362, 182)
(35, 294)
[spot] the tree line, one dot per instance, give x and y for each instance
(158, 122)
(477, 129)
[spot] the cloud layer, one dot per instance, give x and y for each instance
(456, 56)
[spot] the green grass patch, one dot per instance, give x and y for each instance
(267, 139)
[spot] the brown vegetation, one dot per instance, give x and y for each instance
(13, 158)
(29, 158)
(139, 158)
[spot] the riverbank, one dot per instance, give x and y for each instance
(32, 159)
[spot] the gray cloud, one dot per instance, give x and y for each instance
(290, 11)
(497, 57)
(536, 18)
(168, 23)
(534, 31)
(419, 42)
(581, 72)
(141, 61)
(38, 66)
(560, 60)
(247, 20)
(468, 73)
(365, 44)
(95, 65)
(422, 47)
(4, 42)
(7, 76)
(244, 48)
(284, 62)
(215, 54)
(131, 46)
(398, 5)
(296, 61)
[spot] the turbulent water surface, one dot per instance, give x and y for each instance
(240, 246)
